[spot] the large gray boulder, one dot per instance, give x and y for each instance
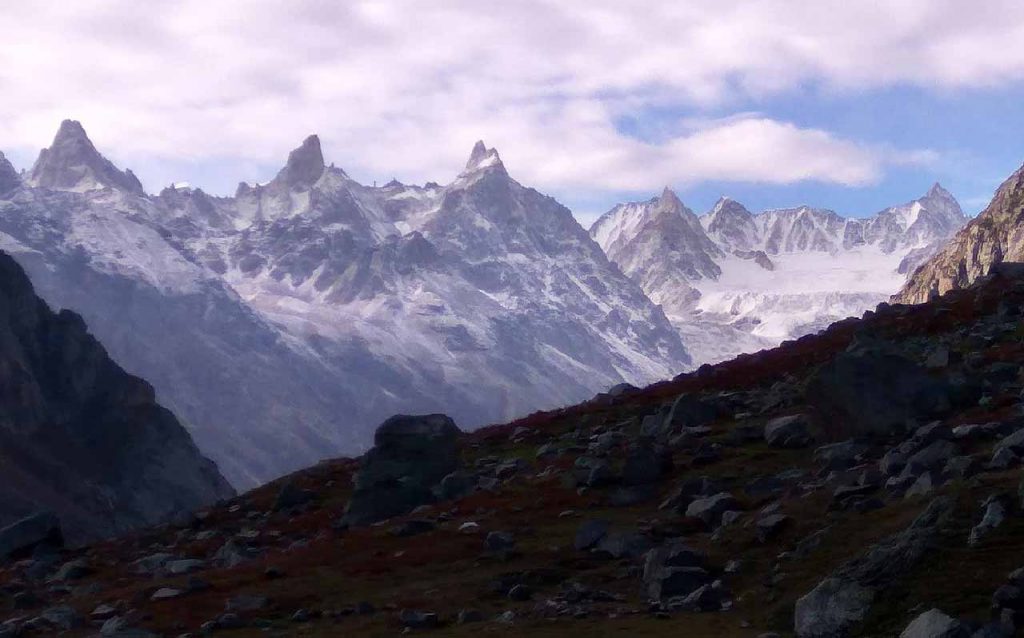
(841, 602)
(410, 457)
(870, 392)
(29, 533)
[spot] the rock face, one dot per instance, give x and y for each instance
(842, 601)
(9, 179)
(283, 324)
(739, 282)
(993, 237)
(78, 435)
(410, 456)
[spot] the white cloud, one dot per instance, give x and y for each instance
(405, 87)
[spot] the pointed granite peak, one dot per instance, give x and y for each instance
(72, 163)
(305, 165)
(670, 200)
(482, 157)
(942, 202)
(9, 179)
(729, 207)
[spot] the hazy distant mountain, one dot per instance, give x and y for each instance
(284, 323)
(739, 282)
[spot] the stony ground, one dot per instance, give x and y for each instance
(848, 483)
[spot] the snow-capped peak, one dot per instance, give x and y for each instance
(730, 224)
(482, 158)
(305, 165)
(72, 163)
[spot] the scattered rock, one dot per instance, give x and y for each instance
(994, 509)
(710, 509)
(788, 432)
(414, 619)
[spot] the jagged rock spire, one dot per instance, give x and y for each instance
(73, 163)
(305, 165)
(482, 158)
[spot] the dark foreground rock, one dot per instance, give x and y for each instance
(411, 455)
(79, 436)
(842, 601)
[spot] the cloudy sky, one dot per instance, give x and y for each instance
(849, 105)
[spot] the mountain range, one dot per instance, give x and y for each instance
(283, 323)
(732, 281)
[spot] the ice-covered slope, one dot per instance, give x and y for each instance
(771, 276)
(283, 324)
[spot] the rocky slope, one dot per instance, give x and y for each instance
(78, 435)
(738, 282)
(994, 236)
(862, 481)
(283, 323)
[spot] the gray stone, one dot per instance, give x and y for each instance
(455, 485)
(788, 432)
(690, 411)
(710, 509)
(935, 624)
(771, 526)
(291, 496)
(166, 593)
(415, 619)
(499, 541)
(994, 515)
(590, 534)
(1003, 458)
(185, 566)
(623, 545)
(645, 463)
(21, 537)
(838, 456)
(932, 457)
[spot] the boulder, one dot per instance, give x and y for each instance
(932, 457)
(840, 456)
(415, 619)
(291, 496)
(410, 457)
(710, 509)
(871, 391)
(788, 432)
(841, 602)
(590, 534)
(690, 411)
(935, 624)
(22, 537)
(645, 463)
(994, 515)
